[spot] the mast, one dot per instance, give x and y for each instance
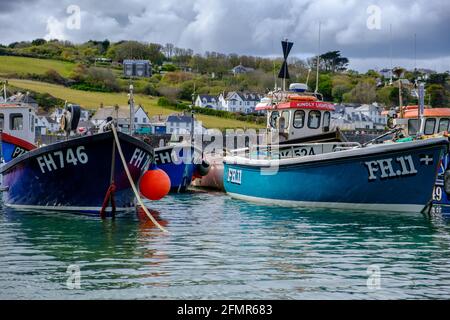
(390, 50)
(318, 62)
(131, 101)
(284, 72)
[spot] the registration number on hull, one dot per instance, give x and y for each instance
(234, 176)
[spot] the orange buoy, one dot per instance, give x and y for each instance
(154, 184)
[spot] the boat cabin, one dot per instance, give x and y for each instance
(436, 120)
(298, 116)
(18, 120)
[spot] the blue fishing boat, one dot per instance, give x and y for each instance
(391, 177)
(17, 118)
(76, 175)
(179, 162)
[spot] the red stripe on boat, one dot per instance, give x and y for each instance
(311, 105)
(17, 141)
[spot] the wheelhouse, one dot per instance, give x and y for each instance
(299, 116)
(18, 120)
(436, 120)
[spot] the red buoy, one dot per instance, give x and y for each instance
(154, 184)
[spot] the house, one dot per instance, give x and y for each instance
(207, 101)
(425, 73)
(239, 101)
(23, 98)
(141, 119)
(386, 73)
(44, 125)
(240, 69)
(137, 68)
(122, 114)
(359, 117)
(182, 124)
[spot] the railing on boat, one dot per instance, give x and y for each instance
(292, 150)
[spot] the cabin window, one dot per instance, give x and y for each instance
(429, 126)
(299, 119)
(285, 115)
(273, 119)
(32, 123)
(16, 121)
(443, 124)
(2, 121)
(413, 126)
(326, 119)
(314, 119)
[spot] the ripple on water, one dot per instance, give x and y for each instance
(219, 248)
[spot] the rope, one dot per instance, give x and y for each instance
(109, 196)
(130, 179)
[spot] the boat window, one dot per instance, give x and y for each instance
(299, 119)
(430, 123)
(326, 119)
(314, 119)
(16, 121)
(2, 121)
(32, 123)
(443, 124)
(273, 119)
(413, 126)
(285, 115)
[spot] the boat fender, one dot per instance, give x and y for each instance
(203, 168)
(75, 114)
(447, 181)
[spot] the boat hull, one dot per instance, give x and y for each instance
(394, 177)
(74, 175)
(13, 147)
(179, 164)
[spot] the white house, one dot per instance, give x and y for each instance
(182, 124)
(141, 118)
(239, 102)
(45, 125)
(364, 117)
(241, 69)
(122, 114)
(207, 101)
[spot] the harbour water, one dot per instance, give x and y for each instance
(220, 248)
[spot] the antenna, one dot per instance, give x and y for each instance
(318, 62)
(390, 50)
(415, 52)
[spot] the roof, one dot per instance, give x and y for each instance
(245, 96)
(22, 98)
(105, 112)
(136, 61)
(179, 119)
(310, 105)
(430, 112)
(209, 98)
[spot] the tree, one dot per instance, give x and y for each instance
(38, 42)
(131, 50)
(363, 92)
(333, 61)
(437, 95)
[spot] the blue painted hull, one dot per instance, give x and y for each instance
(12, 147)
(178, 163)
(345, 179)
(75, 174)
(441, 199)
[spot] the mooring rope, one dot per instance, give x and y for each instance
(130, 179)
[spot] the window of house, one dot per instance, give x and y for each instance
(429, 126)
(314, 119)
(144, 120)
(135, 119)
(16, 121)
(443, 124)
(413, 126)
(299, 119)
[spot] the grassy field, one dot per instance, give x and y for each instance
(92, 100)
(22, 65)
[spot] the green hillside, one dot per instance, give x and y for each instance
(22, 65)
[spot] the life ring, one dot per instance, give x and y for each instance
(296, 97)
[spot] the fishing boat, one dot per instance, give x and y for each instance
(83, 174)
(432, 122)
(17, 134)
(390, 177)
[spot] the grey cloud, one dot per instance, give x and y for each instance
(248, 26)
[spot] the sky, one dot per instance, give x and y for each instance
(360, 29)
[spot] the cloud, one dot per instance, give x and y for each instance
(246, 26)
